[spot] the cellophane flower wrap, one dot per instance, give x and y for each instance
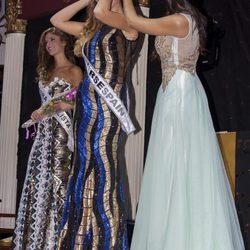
(48, 110)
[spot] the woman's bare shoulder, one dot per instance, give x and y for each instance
(76, 75)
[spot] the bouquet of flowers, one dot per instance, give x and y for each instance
(48, 109)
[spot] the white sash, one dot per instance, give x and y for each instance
(109, 96)
(65, 121)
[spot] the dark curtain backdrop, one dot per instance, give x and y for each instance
(229, 82)
(242, 183)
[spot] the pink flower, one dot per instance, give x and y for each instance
(48, 108)
(71, 96)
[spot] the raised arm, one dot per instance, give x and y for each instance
(174, 25)
(110, 12)
(61, 19)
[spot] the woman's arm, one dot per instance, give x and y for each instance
(174, 25)
(110, 12)
(61, 18)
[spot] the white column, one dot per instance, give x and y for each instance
(134, 151)
(12, 83)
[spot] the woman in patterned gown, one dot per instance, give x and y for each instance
(185, 201)
(43, 195)
(94, 211)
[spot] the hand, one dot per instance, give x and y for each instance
(62, 106)
(36, 116)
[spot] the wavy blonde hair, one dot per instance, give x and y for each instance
(46, 62)
(91, 25)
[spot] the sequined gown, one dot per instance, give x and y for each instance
(185, 200)
(94, 212)
(41, 205)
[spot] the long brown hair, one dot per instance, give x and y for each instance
(46, 62)
(91, 25)
(185, 6)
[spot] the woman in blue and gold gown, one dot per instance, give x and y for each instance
(94, 211)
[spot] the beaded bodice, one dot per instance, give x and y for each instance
(55, 87)
(178, 53)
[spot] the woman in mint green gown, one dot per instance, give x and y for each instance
(185, 201)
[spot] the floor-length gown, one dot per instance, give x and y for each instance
(94, 211)
(185, 200)
(44, 190)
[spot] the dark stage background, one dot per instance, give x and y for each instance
(224, 72)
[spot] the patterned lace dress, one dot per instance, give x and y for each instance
(43, 195)
(185, 201)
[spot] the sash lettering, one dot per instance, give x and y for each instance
(109, 96)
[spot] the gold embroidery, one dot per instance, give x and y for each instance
(164, 47)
